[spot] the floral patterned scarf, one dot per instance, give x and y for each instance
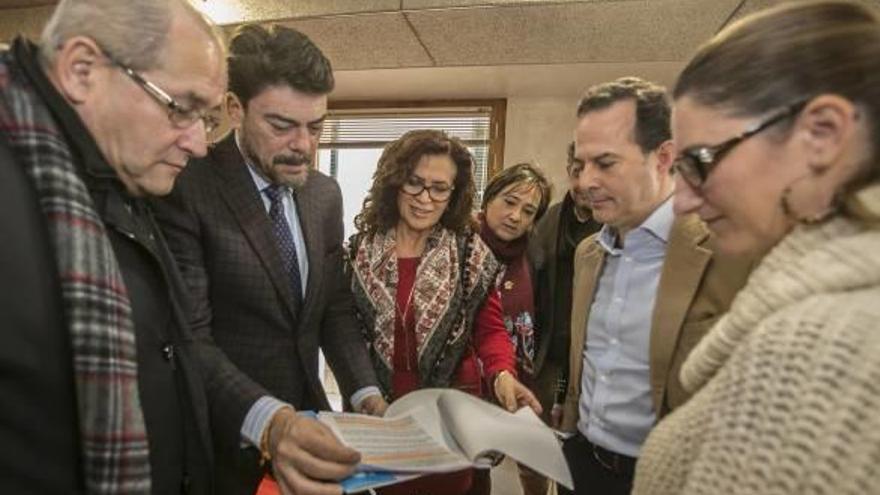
(454, 277)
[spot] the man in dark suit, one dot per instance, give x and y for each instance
(257, 234)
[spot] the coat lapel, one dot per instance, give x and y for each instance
(588, 268)
(243, 199)
(306, 206)
(686, 260)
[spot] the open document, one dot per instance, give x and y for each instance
(443, 430)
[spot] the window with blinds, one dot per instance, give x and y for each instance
(356, 132)
(363, 130)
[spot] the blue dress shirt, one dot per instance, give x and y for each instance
(615, 409)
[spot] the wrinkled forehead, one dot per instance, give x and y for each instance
(193, 66)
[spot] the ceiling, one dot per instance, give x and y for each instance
(15, 4)
(411, 49)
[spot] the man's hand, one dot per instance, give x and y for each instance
(374, 405)
(307, 459)
(512, 394)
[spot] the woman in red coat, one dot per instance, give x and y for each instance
(513, 201)
(424, 286)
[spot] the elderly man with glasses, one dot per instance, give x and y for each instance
(104, 387)
(646, 287)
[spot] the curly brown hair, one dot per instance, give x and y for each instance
(397, 163)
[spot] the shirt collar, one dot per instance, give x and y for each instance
(658, 225)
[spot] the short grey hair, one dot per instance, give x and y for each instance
(132, 31)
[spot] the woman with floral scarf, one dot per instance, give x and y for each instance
(424, 287)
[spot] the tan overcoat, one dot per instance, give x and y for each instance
(696, 287)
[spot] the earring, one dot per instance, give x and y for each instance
(817, 218)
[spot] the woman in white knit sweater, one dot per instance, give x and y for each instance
(777, 120)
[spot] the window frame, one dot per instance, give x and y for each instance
(497, 118)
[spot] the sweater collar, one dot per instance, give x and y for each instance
(837, 256)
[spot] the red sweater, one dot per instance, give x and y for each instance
(491, 344)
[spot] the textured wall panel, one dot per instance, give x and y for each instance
(366, 41)
(660, 30)
(492, 81)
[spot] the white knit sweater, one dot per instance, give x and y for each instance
(788, 382)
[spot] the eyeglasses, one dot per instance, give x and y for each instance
(437, 192)
(696, 163)
(178, 114)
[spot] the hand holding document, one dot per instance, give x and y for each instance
(443, 430)
(304, 451)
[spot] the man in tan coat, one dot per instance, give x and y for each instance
(646, 288)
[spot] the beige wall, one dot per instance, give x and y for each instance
(539, 130)
(27, 21)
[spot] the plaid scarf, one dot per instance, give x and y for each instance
(97, 310)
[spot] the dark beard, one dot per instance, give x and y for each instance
(292, 159)
(268, 173)
(296, 159)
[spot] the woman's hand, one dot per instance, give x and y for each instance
(512, 394)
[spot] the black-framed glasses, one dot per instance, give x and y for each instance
(697, 162)
(414, 186)
(180, 116)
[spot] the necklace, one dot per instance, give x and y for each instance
(406, 307)
(403, 323)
